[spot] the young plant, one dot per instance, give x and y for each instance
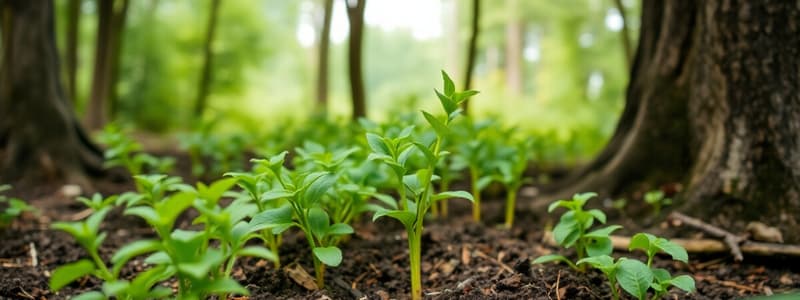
(475, 154)
(608, 266)
(512, 168)
(419, 183)
(124, 151)
(657, 200)
(16, 207)
(304, 192)
(572, 230)
(394, 152)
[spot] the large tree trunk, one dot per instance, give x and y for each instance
(472, 49)
(40, 138)
(355, 13)
(208, 62)
(713, 102)
(324, 46)
(97, 110)
(71, 53)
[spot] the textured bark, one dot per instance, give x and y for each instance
(714, 102)
(117, 37)
(355, 13)
(41, 139)
(515, 30)
(206, 74)
(472, 49)
(324, 46)
(71, 53)
(97, 110)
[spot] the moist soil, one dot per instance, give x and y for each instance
(461, 259)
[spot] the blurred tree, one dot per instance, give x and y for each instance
(355, 14)
(515, 31)
(324, 46)
(97, 111)
(71, 52)
(709, 110)
(624, 33)
(472, 48)
(40, 138)
(117, 34)
(208, 61)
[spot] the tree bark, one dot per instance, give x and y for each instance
(625, 33)
(472, 49)
(713, 102)
(355, 14)
(40, 139)
(324, 46)
(97, 110)
(117, 38)
(514, 44)
(208, 61)
(71, 53)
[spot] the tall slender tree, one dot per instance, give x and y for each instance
(97, 110)
(206, 74)
(472, 48)
(71, 51)
(355, 14)
(324, 46)
(117, 38)
(40, 138)
(515, 30)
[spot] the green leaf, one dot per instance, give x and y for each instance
(94, 220)
(552, 258)
(597, 261)
(449, 105)
(641, 241)
(257, 251)
(599, 246)
(132, 250)
(340, 229)
(319, 222)
(377, 144)
(69, 273)
(684, 282)
(603, 232)
(318, 187)
(405, 217)
(331, 256)
(453, 194)
(114, 288)
(676, 251)
(200, 269)
(483, 182)
(598, 215)
(227, 286)
(158, 258)
(276, 194)
(280, 215)
(219, 187)
(437, 125)
(93, 295)
(634, 277)
(581, 198)
(449, 87)
(429, 155)
(557, 204)
(172, 207)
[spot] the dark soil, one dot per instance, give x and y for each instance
(461, 259)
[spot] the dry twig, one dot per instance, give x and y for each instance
(730, 239)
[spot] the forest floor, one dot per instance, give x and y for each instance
(461, 259)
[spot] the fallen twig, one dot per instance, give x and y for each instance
(715, 246)
(492, 259)
(730, 239)
(726, 283)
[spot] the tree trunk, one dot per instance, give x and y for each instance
(355, 13)
(40, 139)
(472, 49)
(324, 46)
(208, 61)
(514, 44)
(117, 37)
(450, 15)
(97, 112)
(71, 53)
(713, 102)
(625, 33)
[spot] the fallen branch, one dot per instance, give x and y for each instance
(730, 239)
(715, 246)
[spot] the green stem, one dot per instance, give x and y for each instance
(103, 268)
(402, 193)
(273, 246)
(445, 187)
(415, 261)
(229, 266)
(511, 199)
(476, 194)
(613, 284)
(319, 269)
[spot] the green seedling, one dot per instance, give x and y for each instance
(664, 280)
(124, 151)
(419, 183)
(572, 230)
(652, 245)
(304, 193)
(608, 266)
(475, 154)
(16, 207)
(151, 189)
(657, 200)
(394, 152)
(97, 202)
(511, 170)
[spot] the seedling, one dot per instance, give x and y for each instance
(572, 231)
(16, 207)
(512, 168)
(418, 184)
(475, 154)
(651, 245)
(304, 193)
(124, 151)
(657, 200)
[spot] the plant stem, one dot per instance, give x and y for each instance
(511, 199)
(273, 246)
(476, 194)
(444, 188)
(613, 284)
(415, 261)
(103, 268)
(319, 269)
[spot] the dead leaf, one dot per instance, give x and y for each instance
(466, 257)
(448, 267)
(761, 232)
(300, 276)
